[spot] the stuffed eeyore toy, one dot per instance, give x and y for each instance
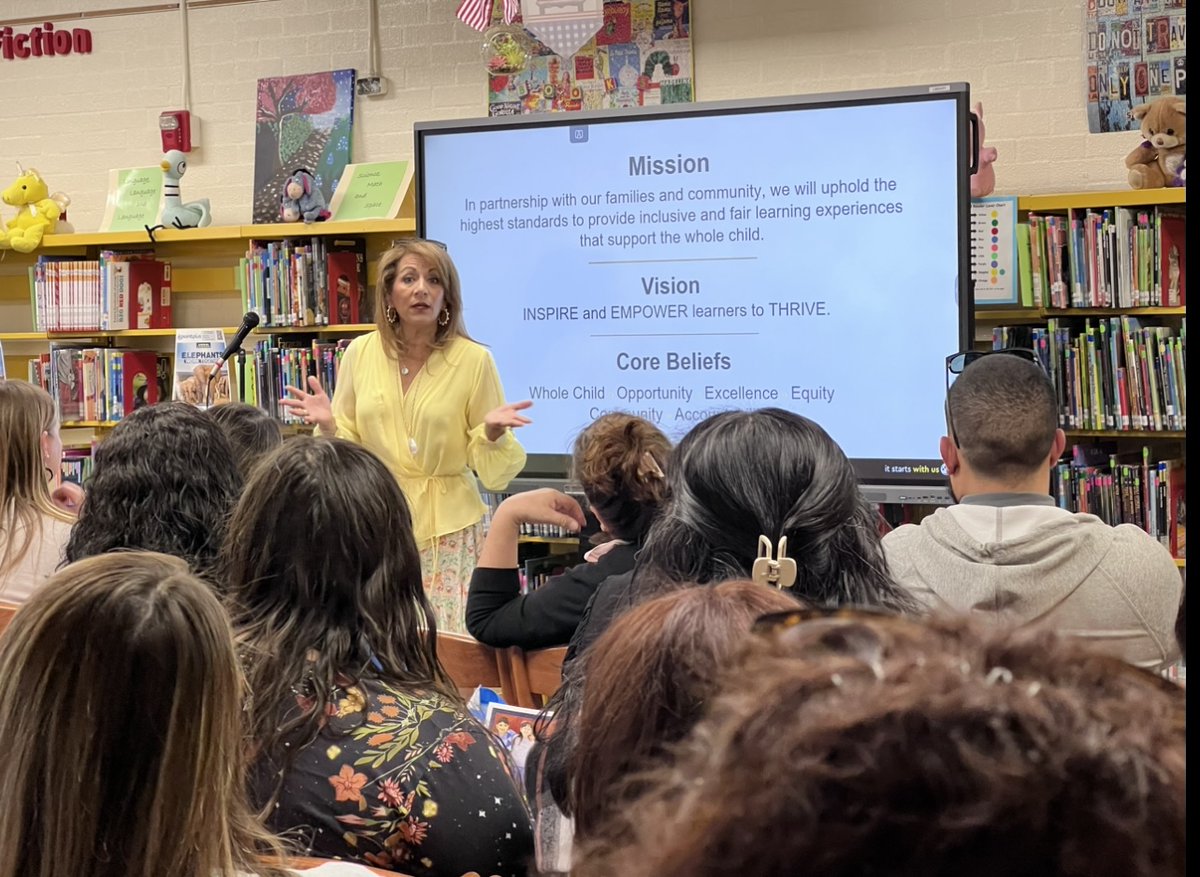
(302, 199)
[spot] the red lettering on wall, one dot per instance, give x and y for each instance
(44, 41)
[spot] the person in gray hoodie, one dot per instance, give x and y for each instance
(1006, 553)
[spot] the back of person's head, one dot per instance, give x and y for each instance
(252, 433)
(649, 676)
(846, 746)
(619, 461)
(1005, 416)
(164, 480)
(324, 584)
(120, 712)
(28, 423)
(743, 474)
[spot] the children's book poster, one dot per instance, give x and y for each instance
(197, 352)
(1136, 52)
(641, 56)
(302, 121)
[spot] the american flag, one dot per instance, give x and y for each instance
(478, 13)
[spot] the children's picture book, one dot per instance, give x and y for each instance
(346, 268)
(149, 290)
(513, 727)
(197, 352)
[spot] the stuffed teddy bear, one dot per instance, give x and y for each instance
(37, 211)
(302, 199)
(983, 181)
(1161, 158)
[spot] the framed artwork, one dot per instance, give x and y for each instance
(302, 121)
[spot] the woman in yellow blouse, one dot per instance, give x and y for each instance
(426, 399)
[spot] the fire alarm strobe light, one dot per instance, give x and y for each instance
(176, 129)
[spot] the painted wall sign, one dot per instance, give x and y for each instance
(44, 41)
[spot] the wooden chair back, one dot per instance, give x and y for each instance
(470, 664)
(6, 614)
(537, 674)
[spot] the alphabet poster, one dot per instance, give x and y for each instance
(1136, 52)
(641, 56)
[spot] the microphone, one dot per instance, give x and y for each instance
(249, 321)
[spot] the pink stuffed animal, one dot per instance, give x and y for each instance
(984, 181)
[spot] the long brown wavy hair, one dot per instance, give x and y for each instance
(649, 678)
(852, 745)
(389, 265)
(620, 462)
(120, 711)
(26, 413)
(324, 586)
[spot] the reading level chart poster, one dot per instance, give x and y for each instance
(1136, 52)
(641, 56)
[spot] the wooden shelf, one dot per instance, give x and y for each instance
(1180, 562)
(231, 233)
(315, 330)
(170, 333)
(1084, 200)
(1177, 435)
(986, 314)
(89, 424)
(567, 541)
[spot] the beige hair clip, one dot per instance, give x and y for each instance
(774, 569)
(649, 467)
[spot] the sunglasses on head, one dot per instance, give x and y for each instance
(956, 364)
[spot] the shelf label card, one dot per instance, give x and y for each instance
(372, 190)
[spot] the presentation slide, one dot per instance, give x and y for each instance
(676, 267)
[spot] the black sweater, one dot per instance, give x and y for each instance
(499, 615)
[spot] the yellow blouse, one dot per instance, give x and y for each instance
(432, 436)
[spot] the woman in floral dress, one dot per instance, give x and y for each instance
(364, 749)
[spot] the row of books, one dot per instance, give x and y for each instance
(492, 501)
(100, 384)
(1111, 373)
(306, 282)
(273, 366)
(77, 465)
(1119, 257)
(116, 292)
(1148, 494)
(536, 571)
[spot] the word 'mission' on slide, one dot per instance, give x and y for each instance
(676, 267)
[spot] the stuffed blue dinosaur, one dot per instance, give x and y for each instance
(302, 199)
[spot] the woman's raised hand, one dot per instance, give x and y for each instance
(543, 506)
(498, 420)
(314, 407)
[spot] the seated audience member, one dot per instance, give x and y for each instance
(164, 480)
(364, 750)
(749, 484)
(33, 527)
(764, 494)
(649, 677)
(618, 461)
(1006, 552)
(849, 745)
(252, 433)
(121, 715)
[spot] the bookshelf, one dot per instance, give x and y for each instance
(1096, 377)
(204, 283)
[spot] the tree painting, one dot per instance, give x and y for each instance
(302, 121)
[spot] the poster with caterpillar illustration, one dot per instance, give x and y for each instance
(641, 56)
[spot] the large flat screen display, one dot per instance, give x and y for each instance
(806, 253)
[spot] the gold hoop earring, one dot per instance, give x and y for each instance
(444, 319)
(391, 315)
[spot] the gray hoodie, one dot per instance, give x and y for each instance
(1018, 559)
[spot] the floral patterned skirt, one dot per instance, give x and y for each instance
(446, 566)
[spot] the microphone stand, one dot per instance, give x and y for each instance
(241, 354)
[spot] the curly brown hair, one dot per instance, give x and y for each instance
(619, 460)
(857, 745)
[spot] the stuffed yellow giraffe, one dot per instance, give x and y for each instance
(37, 211)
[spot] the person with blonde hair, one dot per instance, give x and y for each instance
(121, 715)
(426, 398)
(35, 517)
(619, 462)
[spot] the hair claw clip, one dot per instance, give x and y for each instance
(774, 569)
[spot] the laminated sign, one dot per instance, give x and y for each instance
(563, 25)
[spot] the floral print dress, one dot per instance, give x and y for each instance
(404, 782)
